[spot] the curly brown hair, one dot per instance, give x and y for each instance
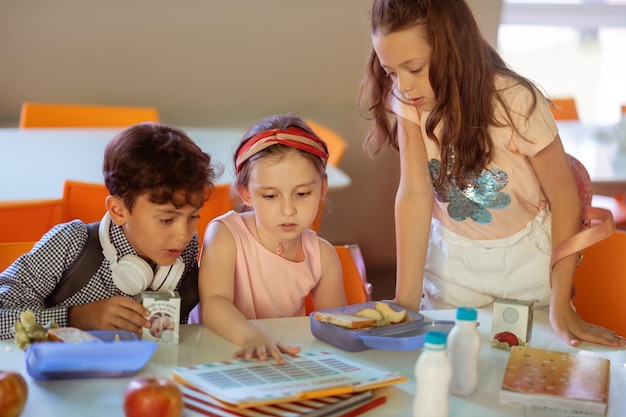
(160, 160)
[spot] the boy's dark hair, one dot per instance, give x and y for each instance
(160, 160)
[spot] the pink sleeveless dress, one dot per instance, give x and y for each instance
(267, 285)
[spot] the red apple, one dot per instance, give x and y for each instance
(508, 338)
(153, 397)
(13, 393)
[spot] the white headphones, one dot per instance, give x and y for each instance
(131, 274)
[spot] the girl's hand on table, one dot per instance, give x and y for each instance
(261, 348)
(573, 329)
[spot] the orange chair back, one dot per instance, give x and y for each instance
(10, 251)
(616, 205)
(336, 144)
(84, 201)
(318, 219)
(564, 109)
(336, 149)
(355, 284)
(81, 115)
(218, 203)
(601, 283)
(27, 221)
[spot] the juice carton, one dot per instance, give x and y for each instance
(515, 316)
(164, 309)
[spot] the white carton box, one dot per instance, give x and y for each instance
(164, 309)
(515, 316)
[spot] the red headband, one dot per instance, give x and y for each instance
(293, 137)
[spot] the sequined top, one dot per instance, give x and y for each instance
(506, 195)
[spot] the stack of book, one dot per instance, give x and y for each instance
(309, 384)
(346, 405)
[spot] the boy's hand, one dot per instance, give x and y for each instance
(261, 347)
(115, 313)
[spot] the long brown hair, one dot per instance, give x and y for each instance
(462, 72)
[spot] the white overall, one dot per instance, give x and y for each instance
(473, 273)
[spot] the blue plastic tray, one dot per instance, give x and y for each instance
(352, 340)
(58, 360)
(405, 336)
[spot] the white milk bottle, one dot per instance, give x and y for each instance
(432, 378)
(463, 350)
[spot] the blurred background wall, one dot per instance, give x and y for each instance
(217, 63)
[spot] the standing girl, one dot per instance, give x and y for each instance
(486, 190)
(262, 263)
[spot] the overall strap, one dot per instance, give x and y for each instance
(597, 223)
(601, 226)
(81, 271)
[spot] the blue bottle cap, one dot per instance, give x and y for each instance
(466, 313)
(436, 338)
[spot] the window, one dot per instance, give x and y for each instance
(570, 48)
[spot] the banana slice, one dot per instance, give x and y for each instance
(369, 313)
(389, 314)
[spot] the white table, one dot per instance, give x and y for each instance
(600, 152)
(103, 397)
(34, 163)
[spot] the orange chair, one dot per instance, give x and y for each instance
(336, 149)
(10, 251)
(336, 144)
(601, 283)
(615, 204)
(28, 221)
(84, 201)
(218, 203)
(355, 284)
(564, 109)
(83, 115)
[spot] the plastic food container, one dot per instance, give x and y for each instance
(352, 340)
(404, 336)
(119, 356)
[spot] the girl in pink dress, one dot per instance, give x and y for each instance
(262, 263)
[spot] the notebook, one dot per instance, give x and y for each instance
(252, 383)
(559, 381)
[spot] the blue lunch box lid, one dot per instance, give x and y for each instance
(119, 354)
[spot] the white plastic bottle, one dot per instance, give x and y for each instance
(432, 377)
(463, 350)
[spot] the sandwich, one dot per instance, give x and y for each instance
(345, 320)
